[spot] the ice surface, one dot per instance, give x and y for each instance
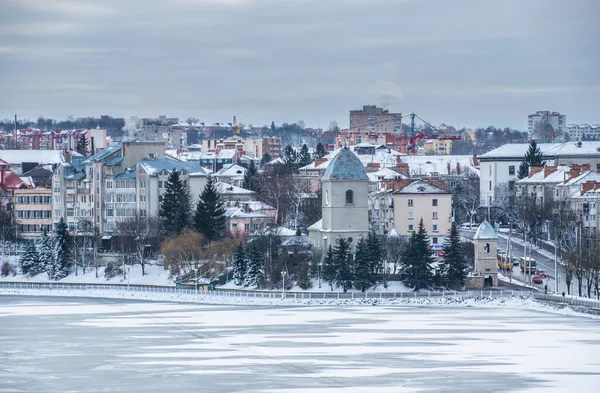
(127, 346)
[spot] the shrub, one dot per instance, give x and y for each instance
(6, 269)
(112, 269)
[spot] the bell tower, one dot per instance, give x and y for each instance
(485, 240)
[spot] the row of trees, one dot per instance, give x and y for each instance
(51, 255)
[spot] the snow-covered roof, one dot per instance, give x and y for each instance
(276, 231)
(420, 187)
(384, 174)
(426, 165)
(345, 166)
(518, 150)
(226, 188)
(393, 233)
(585, 176)
(316, 226)
(238, 212)
(231, 170)
(16, 157)
(557, 176)
(301, 241)
(485, 231)
(154, 166)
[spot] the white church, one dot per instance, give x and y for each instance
(345, 202)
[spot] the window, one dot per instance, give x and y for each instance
(110, 212)
(410, 202)
(247, 227)
(490, 170)
(593, 218)
(349, 197)
(511, 170)
(109, 184)
(160, 184)
(434, 240)
(490, 185)
(234, 225)
(434, 215)
(326, 197)
(410, 228)
(434, 202)
(410, 215)
(435, 228)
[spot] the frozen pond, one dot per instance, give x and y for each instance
(102, 345)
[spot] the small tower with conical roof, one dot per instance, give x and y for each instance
(345, 202)
(485, 240)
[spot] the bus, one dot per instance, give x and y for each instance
(528, 265)
(505, 261)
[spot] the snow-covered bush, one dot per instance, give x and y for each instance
(112, 269)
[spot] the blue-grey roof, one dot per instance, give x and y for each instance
(485, 231)
(102, 155)
(345, 166)
(73, 172)
(154, 166)
(129, 174)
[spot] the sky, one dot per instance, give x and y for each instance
(466, 63)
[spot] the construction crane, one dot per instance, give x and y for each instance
(237, 128)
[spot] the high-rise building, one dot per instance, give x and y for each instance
(374, 119)
(546, 126)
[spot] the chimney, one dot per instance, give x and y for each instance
(458, 168)
(319, 161)
(534, 169)
(548, 170)
(588, 186)
(246, 207)
(403, 169)
(475, 162)
(449, 167)
(374, 165)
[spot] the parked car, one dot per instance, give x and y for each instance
(542, 274)
(538, 280)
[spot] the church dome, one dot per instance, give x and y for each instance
(485, 231)
(345, 166)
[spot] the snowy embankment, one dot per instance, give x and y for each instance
(155, 275)
(224, 298)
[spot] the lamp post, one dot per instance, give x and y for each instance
(128, 275)
(320, 266)
(196, 280)
(283, 285)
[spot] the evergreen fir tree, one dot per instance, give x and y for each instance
(303, 278)
(375, 254)
(290, 158)
(304, 158)
(254, 269)
(239, 266)
(363, 274)
(209, 219)
(82, 145)
(30, 260)
(417, 260)
(273, 128)
(455, 265)
(250, 177)
(92, 147)
(45, 252)
(320, 151)
(533, 157)
(175, 207)
(329, 269)
(341, 256)
(61, 258)
(266, 158)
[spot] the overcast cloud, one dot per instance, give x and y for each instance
(461, 62)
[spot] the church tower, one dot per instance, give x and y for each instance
(345, 202)
(485, 254)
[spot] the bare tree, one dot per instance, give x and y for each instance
(467, 199)
(182, 252)
(7, 229)
(139, 231)
(86, 232)
(393, 248)
(275, 182)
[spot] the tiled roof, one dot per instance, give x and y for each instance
(420, 187)
(345, 166)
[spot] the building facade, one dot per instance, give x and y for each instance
(542, 124)
(420, 200)
(33, 212)
(373, 119)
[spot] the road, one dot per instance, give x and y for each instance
(543, 263)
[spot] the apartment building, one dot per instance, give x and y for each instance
(373, 119)
(33, 139)
(33, 212)
(541, 182)
(255, 148)
(500, 166)
(579, 132)
(438, 147)
(381, 211)
(151, 176)
(546, 125)
(420, 200)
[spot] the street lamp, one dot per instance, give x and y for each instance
(320, 266)
(128, 275)
(283, 286)
(196, 280)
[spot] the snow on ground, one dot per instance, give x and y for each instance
(56, 345)
(393, 286)
(270, 298)
(155, 275)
